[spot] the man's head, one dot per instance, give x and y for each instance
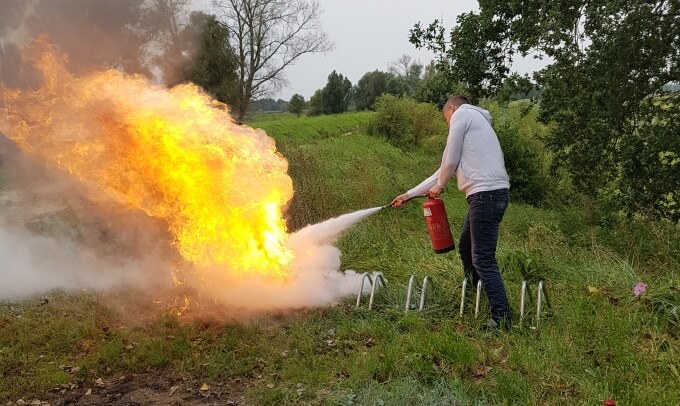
(452, 105)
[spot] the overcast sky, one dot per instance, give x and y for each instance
(369, 35)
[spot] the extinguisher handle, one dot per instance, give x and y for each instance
(427, 195)
(407, 200)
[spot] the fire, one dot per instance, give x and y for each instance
(174, 153)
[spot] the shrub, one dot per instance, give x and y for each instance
(524, 166)
(533, 177)
(405, 122)
(649, 243)
(524, 266)
(650, 173)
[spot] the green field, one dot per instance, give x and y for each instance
(597, 342)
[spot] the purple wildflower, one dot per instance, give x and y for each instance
(639, 289)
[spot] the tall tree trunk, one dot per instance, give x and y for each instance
(244, 102)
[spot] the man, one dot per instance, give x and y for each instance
(474, 155)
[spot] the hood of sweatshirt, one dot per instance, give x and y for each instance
(483, 112)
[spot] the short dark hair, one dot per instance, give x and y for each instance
(457, 101)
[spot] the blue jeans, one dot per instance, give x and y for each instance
(477, 248)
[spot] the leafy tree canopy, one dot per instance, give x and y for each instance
(214, 65)
(297, 104)
(334, 98)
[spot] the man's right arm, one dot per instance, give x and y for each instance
(424, 187)
(454, 148)
(450, 158)
(450, 162)
(421, 190)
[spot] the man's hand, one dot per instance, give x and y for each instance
(435, 192)
(400, 200)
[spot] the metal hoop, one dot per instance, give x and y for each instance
(462, 297)
(378, 279)
(409, 291)
(539, 302)
(423, 292)
(364, 276)
(522, 300)
(426, 282)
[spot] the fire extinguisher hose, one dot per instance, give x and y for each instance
(407, 200)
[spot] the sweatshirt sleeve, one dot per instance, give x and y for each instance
(453, 150)
(424, 187)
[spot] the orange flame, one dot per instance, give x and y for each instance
(174, 153)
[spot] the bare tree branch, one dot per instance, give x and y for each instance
(270, 35)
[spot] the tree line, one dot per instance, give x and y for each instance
(404, 78)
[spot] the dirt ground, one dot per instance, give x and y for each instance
(147, 389)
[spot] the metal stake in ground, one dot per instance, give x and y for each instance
(423, 292)
(378, 279)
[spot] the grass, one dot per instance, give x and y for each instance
(593, 346)
(295, 131)
(252, 118)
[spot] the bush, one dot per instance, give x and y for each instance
(650, 171)
(524, 166)
(533, 178)
(405, 122)
(644, 241)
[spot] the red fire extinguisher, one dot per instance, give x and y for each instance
(438, 224)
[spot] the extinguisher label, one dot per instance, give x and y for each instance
(427, 212)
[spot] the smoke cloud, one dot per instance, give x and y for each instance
(315, 279)
(34, 262)
(52, 236)
(31, 264)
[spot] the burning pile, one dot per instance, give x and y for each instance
(175, 154)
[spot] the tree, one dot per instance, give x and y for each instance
(136, 36)
(409, 73)
(334, 98)
(650, 174)
(316, 104)
(296, 104)
(168, 27)
(611, 60)
(337, 94)
(474, 56)
(516, 87)
(268, 105)
(436, 86)
(371, 86)
(402, 80)
(268, 36)
(402, 66)
(214, 65)
(105, 33)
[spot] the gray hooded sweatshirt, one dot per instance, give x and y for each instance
(472, 153)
